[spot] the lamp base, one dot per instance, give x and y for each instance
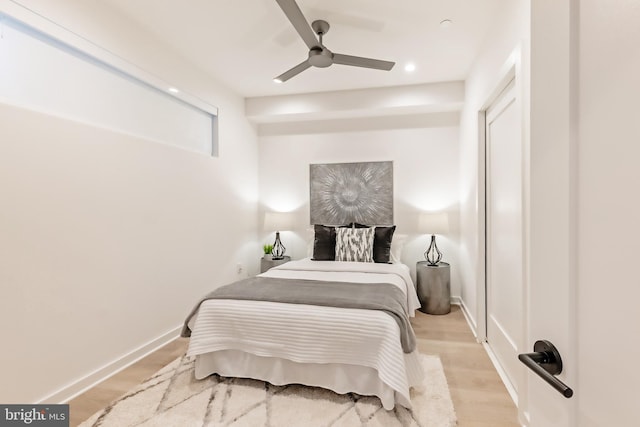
(278, 250)
(433, 255)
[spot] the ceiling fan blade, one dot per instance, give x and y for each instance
(358, 61)
(299, 22)
(293, 72)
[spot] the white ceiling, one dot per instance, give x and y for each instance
(246, 43)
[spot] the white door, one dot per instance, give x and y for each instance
(504, 238)
(585, 209)
(608, 213)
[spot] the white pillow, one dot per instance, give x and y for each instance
(397, 243)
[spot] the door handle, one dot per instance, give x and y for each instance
(546, 362)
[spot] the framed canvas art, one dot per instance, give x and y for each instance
(341, 193)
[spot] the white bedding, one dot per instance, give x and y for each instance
(343, 349)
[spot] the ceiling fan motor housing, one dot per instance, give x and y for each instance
(319, 57)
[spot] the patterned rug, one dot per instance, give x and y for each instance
(173, 398)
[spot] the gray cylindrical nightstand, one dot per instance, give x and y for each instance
(434, 287)
(267, 263)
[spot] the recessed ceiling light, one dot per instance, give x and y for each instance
(410, 67)
(446, 23)
(173, 90)
(277, 81)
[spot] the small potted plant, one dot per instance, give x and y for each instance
(267, 250)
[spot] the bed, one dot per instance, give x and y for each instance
(345, 348)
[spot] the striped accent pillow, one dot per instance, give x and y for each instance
(355, 244)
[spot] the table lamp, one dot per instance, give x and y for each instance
(277, 221)
(433, 223)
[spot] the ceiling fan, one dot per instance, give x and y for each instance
(319, 55)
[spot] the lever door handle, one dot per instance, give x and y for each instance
(546, 362)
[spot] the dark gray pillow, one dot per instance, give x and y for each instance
(324, 243)
(381, 242)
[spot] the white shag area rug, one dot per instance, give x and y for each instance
(174, 398)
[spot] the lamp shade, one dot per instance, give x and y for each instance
(278, 221)
(434, 223)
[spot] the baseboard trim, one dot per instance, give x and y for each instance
(503, 375)
(465, 311)
(70, 391)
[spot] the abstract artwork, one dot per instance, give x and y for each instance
(341, 193)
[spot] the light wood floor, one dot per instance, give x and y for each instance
(479, 397)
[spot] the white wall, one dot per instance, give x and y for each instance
(425, 167)
(107, 239)
(509, 33)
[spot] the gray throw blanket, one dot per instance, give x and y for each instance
(371, 296)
